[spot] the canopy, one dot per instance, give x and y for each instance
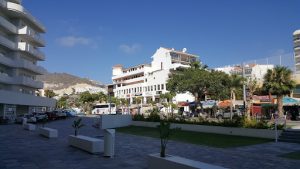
(224, 104)
(288, 101)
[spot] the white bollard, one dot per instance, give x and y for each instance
(109, 142)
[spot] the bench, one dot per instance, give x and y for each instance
(89, 144)
(175, 162)
(28, 126)
(48, 132)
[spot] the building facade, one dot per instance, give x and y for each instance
(296, 37)
(254, 71)
(148, 81)
(20, 39)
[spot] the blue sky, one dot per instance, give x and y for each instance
(86, 38)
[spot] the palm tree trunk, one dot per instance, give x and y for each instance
(231, 104)
(280, 105)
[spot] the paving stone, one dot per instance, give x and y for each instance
(27, 150)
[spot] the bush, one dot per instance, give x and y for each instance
(138, 117)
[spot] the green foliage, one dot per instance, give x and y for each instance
(62, 102)
(49, 93)
(77, 125)
(87, 97)
(278, 81)
(165, 132)
(138, 117)
(154, 115)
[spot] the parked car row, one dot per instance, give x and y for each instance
(50, 115)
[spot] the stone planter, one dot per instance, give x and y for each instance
(28, 126)
(175, 162)
(89, 144)
(48, 132)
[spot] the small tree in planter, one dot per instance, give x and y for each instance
(77, 125)
(44, 121)
(165, 132)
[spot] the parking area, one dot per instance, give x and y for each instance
(27, 150)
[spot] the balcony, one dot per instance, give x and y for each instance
(30, 66)
(7, 25)
(7, 43)
(26, 81)
(297, 47)
(6, 61)
(139, 71)
(134, 80)
(32, 36)
(23, 46)
(4, 78)
(18, 10)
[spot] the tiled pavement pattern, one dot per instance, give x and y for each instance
(21, 149)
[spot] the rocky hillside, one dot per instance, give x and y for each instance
(63, 83)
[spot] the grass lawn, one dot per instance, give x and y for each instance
(293, 155)
(208, 139)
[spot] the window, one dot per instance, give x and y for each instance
(148, 88)
(162, 86)
(134, 90)
(140, 89)
(154, 87)
(151, 88)
(158, 87)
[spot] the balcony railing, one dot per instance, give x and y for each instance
(7, 43)
(4, 78)
(6, 61)
(7, 25)
(32, 35)
(19, 8)
(23, 46)
(26, 81)
(139, 71)
(30, 66)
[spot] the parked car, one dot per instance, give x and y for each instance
(40, 116)
(52, 115)
(70, 112)
(60, 114)
(226, 114)
(30, 118)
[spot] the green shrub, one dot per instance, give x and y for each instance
(138, 117)
(154, 115)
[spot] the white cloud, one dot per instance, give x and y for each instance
(130, 49)
(70, 41)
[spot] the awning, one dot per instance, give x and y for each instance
(288, 101)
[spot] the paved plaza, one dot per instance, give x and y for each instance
(21, 149)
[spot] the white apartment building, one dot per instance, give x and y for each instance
(254, 71)
(149, 80)
(296, 36)
(19, 53)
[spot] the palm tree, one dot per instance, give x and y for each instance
(278, 81)
(235, 82)
(252, 86)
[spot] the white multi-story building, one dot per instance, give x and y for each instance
(149, 80)
(296, 36)
(19, 53)
(254, 71)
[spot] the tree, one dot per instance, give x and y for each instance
(278, 81)
(235, 82)
(252, 87)
(49, 93)
(62, 102)
(193, 80)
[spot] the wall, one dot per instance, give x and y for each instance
(261, 133)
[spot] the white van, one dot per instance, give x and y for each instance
(104, 108)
